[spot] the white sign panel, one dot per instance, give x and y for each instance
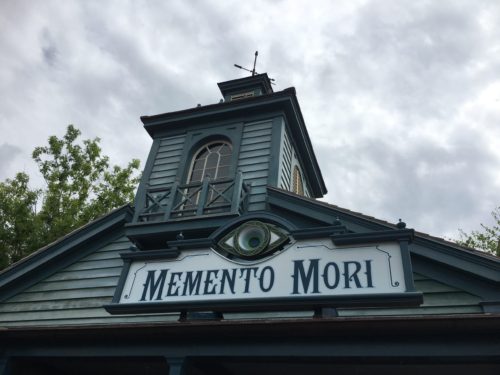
(306, 268)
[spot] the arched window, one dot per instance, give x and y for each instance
(297, 186)
(213, 160)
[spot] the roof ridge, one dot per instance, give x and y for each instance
(423, 235)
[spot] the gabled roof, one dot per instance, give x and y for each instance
(426, 250)
(481, 264)
(55, 255)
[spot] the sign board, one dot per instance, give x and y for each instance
(312, 272)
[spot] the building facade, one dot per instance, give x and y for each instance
(228, 264)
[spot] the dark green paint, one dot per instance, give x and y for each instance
(272, 304)
(63, 253)
(276, 149)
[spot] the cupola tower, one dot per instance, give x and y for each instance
(211, 162)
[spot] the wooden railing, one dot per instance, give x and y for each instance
(208, 197)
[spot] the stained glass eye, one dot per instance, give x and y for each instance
(253, 239)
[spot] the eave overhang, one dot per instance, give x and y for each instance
(150, 234)
(434, 339)
(268, 328)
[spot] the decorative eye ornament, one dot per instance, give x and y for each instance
(253, 239)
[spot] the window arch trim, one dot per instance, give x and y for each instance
(297, 181)
(196, 138)
(222, 162)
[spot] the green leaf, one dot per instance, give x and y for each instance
(79, 187)
(487, 239)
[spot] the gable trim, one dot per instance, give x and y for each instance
(448, 254)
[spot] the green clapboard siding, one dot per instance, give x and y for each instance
(253, 160)
(75, 294)
(288, 162)
(98, 320)
(438, 299)
(167, 161)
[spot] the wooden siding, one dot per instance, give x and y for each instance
(438, 299)
(253, 161)
(75, 294)
(288, 161)
(167, 161)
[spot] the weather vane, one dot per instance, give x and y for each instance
(253, 70)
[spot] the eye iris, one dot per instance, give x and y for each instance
(254, 242)
(252, 239)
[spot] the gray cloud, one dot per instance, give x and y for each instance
(8, 155)
(427, 184)
(417, 59)
(399, 97)
(49, 50)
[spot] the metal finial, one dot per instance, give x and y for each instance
(253, 71)
(401, 224)
(255, 63)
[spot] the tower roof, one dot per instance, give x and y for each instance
(255, 85)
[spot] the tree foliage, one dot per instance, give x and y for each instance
(487, 239)
(19, 223)
(80, 186)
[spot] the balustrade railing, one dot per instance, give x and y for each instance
(208, 197)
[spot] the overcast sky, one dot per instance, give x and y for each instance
(401, 98)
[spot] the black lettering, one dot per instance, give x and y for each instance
(173, 283)
(247, 272)
(192, 284)
(299, 274)
(226, 276)
(209, 281)
(348, 277)
(154, 286)
(326, 278)
(369, 273)
(271, 279)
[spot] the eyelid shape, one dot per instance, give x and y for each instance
(253, 239)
